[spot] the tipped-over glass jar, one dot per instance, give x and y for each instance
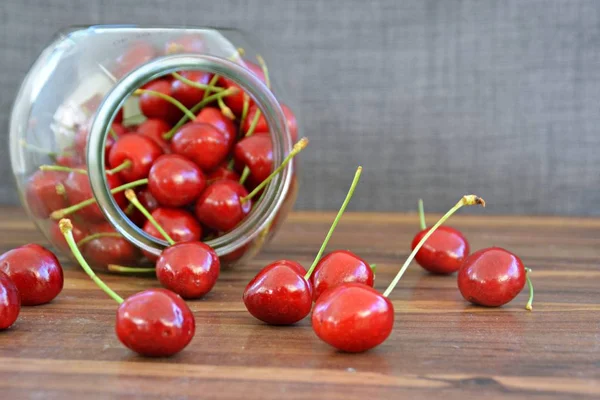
(101, 104)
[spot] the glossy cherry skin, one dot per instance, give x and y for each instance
(220, 207)
(42, 192)
(263, 127)
(153, 106)
(337, 268)
(189, 269)
(202, 143)
(444, 252)
(155, 129)
(279, 294)
(220, 173)
(140, 150)
(491, 277)
(155, 323)
(10, 302)
(256, 152)
(214, 117)
(353, 317)
(136, 55)
(179, 224)
(78, 189)
(105, 250)
(175, 181)
(188, 95)
(35, 271)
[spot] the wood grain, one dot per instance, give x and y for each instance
(441, 346)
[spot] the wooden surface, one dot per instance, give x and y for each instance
(441, 346)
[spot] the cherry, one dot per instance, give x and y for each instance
(221, 173)
(281, 293)
(136, 55)
(338, 267)
(354, 317)
(236, 101)
(69, 158)
(188, 94)
(45, 192)
(220, 206)
(149, 203)
(189, 269)
(10, 302)
(255, 152)
(35, 271)
(261, 125)
(155, 129)
(106, 246)
(444, 252)
(154, 323)
(139, 150)
(202, 143)
(493, 277)
(153, 106)
(175, 181)
(214, 117)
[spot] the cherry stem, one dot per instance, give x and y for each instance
(211, 85)
(298, 147)
(129, 270)
(230, 164)
(373, 267)
(468, 200)
(168, 98)
(98, 235)
(124, 165)
(113, 134)
(335, 222)
(38, 149)
(245, 175)
(196, 108)
(529, 305)
(130, 194)
(129, 209)
(196, 85)
(254, 123)
(58, 214)
(422, 215)
(62, 168)
(66, 227)
(226, 111)
(60, 189)
(244, 113)
(265, 70)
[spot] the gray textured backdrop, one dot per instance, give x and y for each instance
(434, 98)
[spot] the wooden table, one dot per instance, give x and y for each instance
(441, 346)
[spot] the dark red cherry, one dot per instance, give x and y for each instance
(444, 252)
(256, 152)
(188, 95)
(339, 267)
(44, 192)
(202, 143)
(136, 55)
(155, 129)
(175, 181)
(220, 207)
(153, 106)
(189, 269)
(155, 323)
(180, 225)
(138, 149)
(220, 173)
(491, 277)
(214, 117)
(263, 127)
(353, 317)
(279, 294)
(35, 271)
(10, 302)
(104, 250)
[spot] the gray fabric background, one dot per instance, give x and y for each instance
(435, 98)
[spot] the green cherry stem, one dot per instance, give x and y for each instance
(40, 150)
(245, 175)
(63, 212)
(130, 194)
(211, 86)
(422, 215)
(245, 108)
(529, 305)
(129, 270)
(66, 227)
(168, 98)
(60, 189)
(62, 168)
(197, 85)
(335, 222)
(93, 236)
(468, 200)
(373, 267)
(124, 165)
(298, 147)
(226, 111)
(113, 134)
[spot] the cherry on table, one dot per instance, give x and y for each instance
(10, 302)
(339, 267)
(45, 192)
(139, 151)
(214, 116)
(202, 143)
(175, 181)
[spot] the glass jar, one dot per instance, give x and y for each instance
(81, 89)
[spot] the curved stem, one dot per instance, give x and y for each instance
(529, 305)
(58, 214)
(62, 168)
(129, 270)
(130, 194)
(422, 215)
(298, 147)
(211, 85)
(168, 98)
(67, 230)
(38, 149)
(196, 85)
(245, 108)
(226, 111)
(254, 123)
(468, 200)
(124, 165)
(245, 175)
(93, 236)
(335, 222)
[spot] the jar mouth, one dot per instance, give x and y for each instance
(264, 209)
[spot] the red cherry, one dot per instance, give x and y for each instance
(155, 129)
(155, 107)
(104, 250)
(10, 302)
(180, 225)
(35, 271)
(69, 158)
(137, 54)
(44, 192)
(201, 143)
(58, 239)
(155, 323)
(189, 95)
(214, 117)
(236, 101)
(189, 269)
(256, 152)
(220, 207)
(78, 189)
(263, 127)
(279, 294)
(491, 277)
(444, 251)
(353, 317)
(149, 203)
(175, 181)
(337, 268)
(139, 150)
(222, 172)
